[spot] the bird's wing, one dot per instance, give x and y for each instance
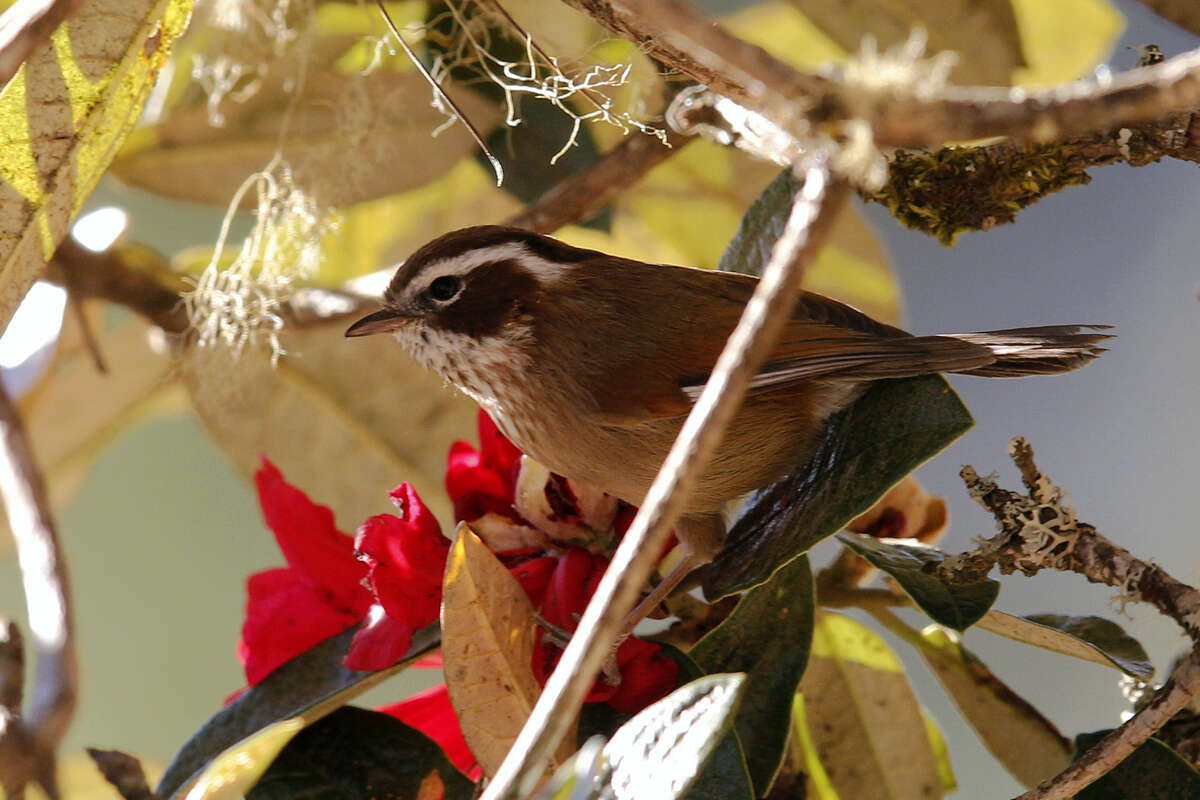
(663, 375)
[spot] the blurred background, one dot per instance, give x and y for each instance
(163, 531)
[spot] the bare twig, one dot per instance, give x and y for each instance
(44, 576)
(684, 38)
(1038, 531)
(124, 772)
(25, 26)
(584, 193)
(437, 87)
(812, 216)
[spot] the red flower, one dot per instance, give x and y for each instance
(481, 481)
(319, 593)
(430, 712)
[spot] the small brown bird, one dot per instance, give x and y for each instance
(590, 362)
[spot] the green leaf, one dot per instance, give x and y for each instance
(1090, 638)
(62, 118)
(1028, 745)
(356, 754)
(891, 430)
(864, 722)
(663, 749)
(768, 637)
(308, 687)
(955, 605)
(1152, 772)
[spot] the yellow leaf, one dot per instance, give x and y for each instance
(863, 718)
(779, 28)
(1065, 39)
(488, 636)
(1024, 741)
(983, 33)
(363, 405)
(231, 774)
(62, 119)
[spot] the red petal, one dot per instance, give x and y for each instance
(566, 596)
(313, 546)
(466, 472)
(534, 577)
(410, 598)
(646, 675)
(498, 452)
(430, 712)
(379, 644)
(546, 655)
(285, 616)
(431, 661)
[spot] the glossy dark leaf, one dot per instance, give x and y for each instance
(955, 605)
(750, 248)
(768, 637)
(356, 754)
(309, 686)
(724, 777)
(1152, 772)
(1090, 638)
(891, 430)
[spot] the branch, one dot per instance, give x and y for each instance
(688, 40)
(29, 745)
(25, 26)
(1039, 531)
(813, 212)
(957, 189)
(581, 195)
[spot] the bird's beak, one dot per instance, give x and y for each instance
(382, 321)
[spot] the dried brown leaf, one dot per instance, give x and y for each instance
(488, 636)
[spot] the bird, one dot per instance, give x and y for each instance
(590, 362)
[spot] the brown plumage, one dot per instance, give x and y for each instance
(590, 362)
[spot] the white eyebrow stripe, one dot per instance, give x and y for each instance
(509, 251)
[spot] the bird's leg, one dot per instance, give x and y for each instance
(700, 536)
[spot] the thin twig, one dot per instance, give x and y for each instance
(812, 216)
(25, 26)
(688, 40)
(437, 87)
(47, 597)
(1039, 531)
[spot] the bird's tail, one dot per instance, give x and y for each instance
(1036, 351)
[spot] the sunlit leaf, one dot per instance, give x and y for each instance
(1025, 742)
(362, 404)
(1152, 772)
(941, 752)
(231, 774)
(62, 119)
(1066, 39)
(1090, 638)
(662, 750)
(356, 754)
(306, 688)
(488, 636)
(347, 137)
(863, 718)
(983, 33)
(955, 605)
(865, 450)
(804, 758)
(767, 637)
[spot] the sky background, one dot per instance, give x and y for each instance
(163, 533)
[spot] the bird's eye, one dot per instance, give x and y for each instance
(444, 288)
